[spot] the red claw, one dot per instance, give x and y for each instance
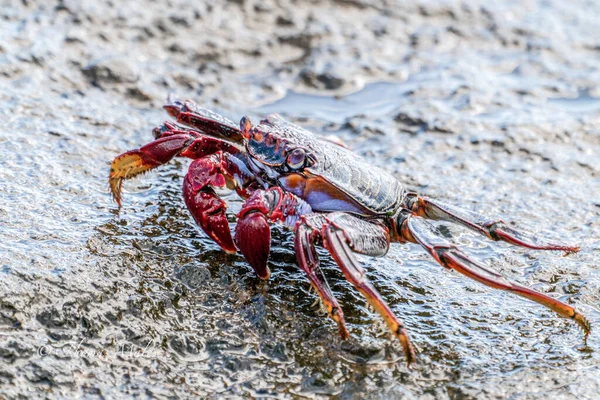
(135, 162)
(208, 210)
(253, 234)
(253, 237)
(209, 123)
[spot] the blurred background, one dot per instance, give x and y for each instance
(494, 107)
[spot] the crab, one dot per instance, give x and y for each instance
(326, 194)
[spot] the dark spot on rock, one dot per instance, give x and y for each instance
(180, 20)
(408, 120)
(325, 80)
(284, 20)
(176, 48)
(302, 40)
(108, 72)
(6, 377)
(137, 94)
(37, 374)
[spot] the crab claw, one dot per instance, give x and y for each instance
(253, 237)
(135, 162)
(208, 209)
(253, 234)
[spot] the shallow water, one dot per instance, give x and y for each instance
(103, 303)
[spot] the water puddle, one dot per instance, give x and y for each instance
(375, 100)
(583, 103)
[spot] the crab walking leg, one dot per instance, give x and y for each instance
(344, 234)
(306, 232)
(492, 228)
(417, 230)
(217, 170)
(206, 121)
(252, 232)
(171, 142)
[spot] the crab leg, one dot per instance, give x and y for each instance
(253, 237)
(308, 260)
(417, 230)
(492, 228)
(206, 121)
(252, 232)
(217, 170)
(343, 234)
(171, 142)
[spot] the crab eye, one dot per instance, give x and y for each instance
(296, 158)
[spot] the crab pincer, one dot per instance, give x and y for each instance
(206, 121)
(215, 165)
(252, 232)
(136, 162)
(253, 237)
(207, 208)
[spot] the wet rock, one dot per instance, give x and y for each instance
(361, 4)
(67, 317)
(36, 373)
(7, 355)
(193, 275)
(6, 377)
(62, 236)
(285, 20)
(440, 126)
(498, 142)
(8, 315)
(408, 120)
(302, 40)
(51, 318)
(136, 93)
(13, 350)
(180, 20)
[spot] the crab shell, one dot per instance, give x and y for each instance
(326, 175)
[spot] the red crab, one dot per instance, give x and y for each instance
(322, 191)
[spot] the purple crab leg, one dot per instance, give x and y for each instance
(343, 235)
(492, 228)
(305, 235)
(417, 230)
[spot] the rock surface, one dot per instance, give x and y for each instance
(492, 106)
